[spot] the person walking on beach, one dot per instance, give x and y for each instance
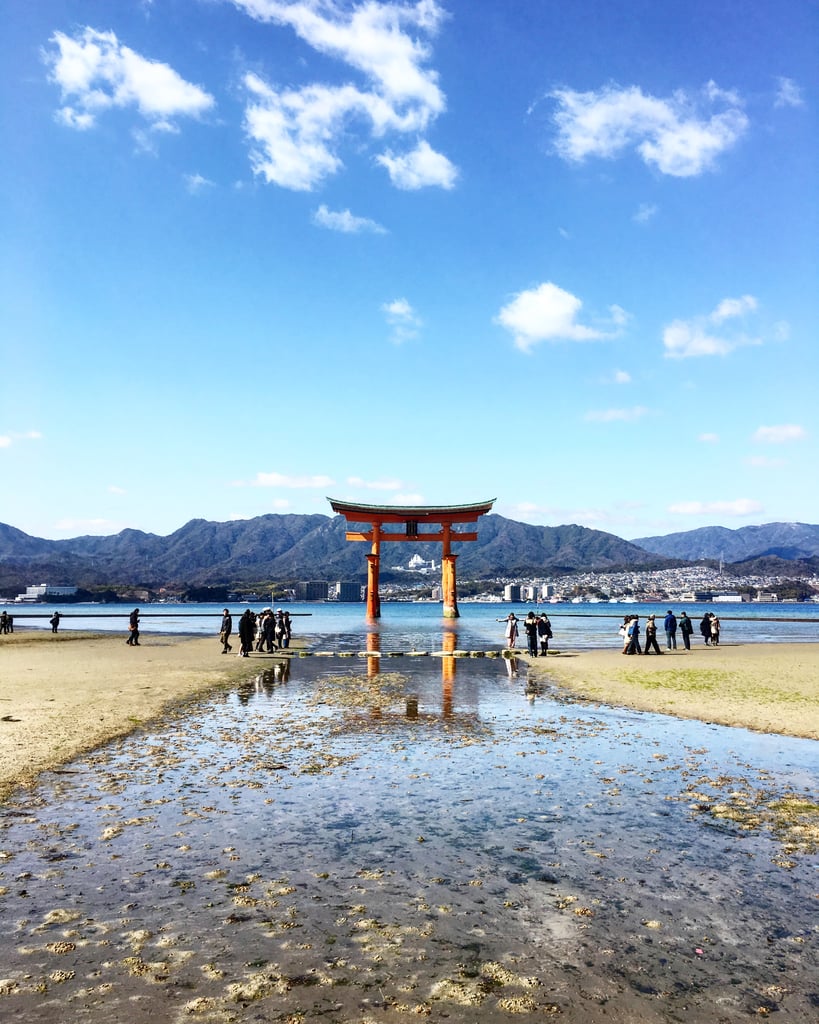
(634, 636)
(670, 624)
(511, 632)
(246, 634)
(651, 636)
(705, 628)
(55, 622)
(715, 625)
(133, 629)
(288, 629)
(225, 630)
(544, 632)
(686, 629)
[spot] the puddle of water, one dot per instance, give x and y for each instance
(441, 840)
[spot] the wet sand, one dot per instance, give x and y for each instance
(772, 688)
(64, 694)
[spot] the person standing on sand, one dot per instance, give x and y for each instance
(714, 630)
(705, 628)
(133, 629)
(670, 624)
(511, 633)
(544, 632)
(651, 636)
(55, 622)
(530, 626)
(246, 632)
(225, 630)
(686, 628)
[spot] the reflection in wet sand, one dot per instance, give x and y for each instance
(445, 840)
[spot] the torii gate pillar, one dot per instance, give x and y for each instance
(411, 518)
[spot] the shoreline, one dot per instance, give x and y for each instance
(769, 688)
(66, 694)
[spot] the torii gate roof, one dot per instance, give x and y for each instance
(356, 512)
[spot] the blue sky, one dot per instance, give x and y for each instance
(258, 252)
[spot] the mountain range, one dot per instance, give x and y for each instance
(303, 547)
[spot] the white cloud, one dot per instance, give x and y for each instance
(548, 313)
(788, 94)
(740, 507)
(764, 462)
(114, 489)
(622, 377)
(295, 133)
(283, 480)
(420, 168)
(617, 415)
(781, 434)
(709, 438)
(683, 339)
(196, 183)
(403, 320)
(346, 222)
(7, 440)
(730, 308)
(94, 527)
(375, 485)
(670, 134)
(95, 72)
(645, 213)
(407, 499)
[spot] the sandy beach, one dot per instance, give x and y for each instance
(765, 687)
(64, 694)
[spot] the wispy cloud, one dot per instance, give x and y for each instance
(548, 313)
(764, 462)
(636, 412)
(115, 489)
(296, 482)
(645, 213)
(709, 438)
(712, 334)
(404, 322)
(679, 135)
(740, 507)
(196, 183)
(93, 527)
(788, 94)
(346, 222)
(622, 377)
(784, 433)
(7, 440)
(95, 72)
(296, 133)
(375, 485)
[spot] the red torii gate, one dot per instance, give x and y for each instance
(411, 517)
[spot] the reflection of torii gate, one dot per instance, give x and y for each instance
(411, 518)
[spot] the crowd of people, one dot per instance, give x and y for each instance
(266, 632)
(538, 631)
(630, 632)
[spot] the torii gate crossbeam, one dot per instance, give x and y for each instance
(441, 518)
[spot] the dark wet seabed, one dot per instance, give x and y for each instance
(435, 842)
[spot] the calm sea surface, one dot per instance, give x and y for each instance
(411, 625)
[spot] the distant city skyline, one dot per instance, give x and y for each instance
(256, 252)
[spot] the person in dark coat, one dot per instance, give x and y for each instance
(634, 635)
(246, 631)
(705, 627)
(686, 629)
(55, 622)
(133, 629)
(530, 626)
(670, 625)
(544, 632)
(225, 630)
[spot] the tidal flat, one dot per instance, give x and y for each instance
(453, 840)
